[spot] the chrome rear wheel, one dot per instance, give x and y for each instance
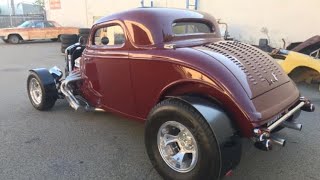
(177, 146)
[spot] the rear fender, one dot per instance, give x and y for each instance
(238, 110)
(226, 134)
(47, 80)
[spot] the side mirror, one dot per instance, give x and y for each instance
(105, 41)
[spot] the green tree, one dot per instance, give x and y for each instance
(39, 3)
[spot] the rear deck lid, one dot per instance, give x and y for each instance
(256, 71)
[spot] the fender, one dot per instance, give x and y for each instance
(47, 81)
(236, 110)
(226, 134)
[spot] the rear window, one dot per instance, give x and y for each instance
(182, 28)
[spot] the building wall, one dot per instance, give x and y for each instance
(293, 20)
(4, 8)
(83, 13)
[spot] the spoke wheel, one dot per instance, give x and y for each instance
(177, 146)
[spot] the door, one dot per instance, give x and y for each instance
(37, 31)
(107, 70)
(51, 30)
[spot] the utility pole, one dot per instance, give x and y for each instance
(13, 8)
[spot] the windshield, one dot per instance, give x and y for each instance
(26, 24)
(187, 28)
(55, 24)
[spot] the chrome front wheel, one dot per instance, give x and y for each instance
(40, 94)
(35, 91)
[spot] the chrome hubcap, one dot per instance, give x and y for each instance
(35, 91)
(177, 146)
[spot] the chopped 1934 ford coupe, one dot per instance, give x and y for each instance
(198, 94)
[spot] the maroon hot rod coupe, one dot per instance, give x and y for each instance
(197, 93)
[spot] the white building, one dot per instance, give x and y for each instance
(293, 20)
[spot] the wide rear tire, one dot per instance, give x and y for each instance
(187, 129)
(37, 94)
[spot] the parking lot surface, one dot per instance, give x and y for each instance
(64, 144)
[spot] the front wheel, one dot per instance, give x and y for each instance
(180, 143)
(14, 39)
(37, 95)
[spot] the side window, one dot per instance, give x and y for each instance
(184, 28)
(39, 25)
(109, 36)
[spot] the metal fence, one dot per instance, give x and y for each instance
(15, 20)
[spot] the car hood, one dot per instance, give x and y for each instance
(255, 70)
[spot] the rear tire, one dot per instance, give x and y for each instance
(37, 95)
(199, 136)
(84, 31)
(69, 38)
(14, 39)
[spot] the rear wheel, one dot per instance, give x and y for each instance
(14, 39)
(180, 143)
(37, 95)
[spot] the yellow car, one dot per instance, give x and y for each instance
(299, 67)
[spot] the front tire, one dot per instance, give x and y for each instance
(14, 39)
(180, 143)
(37, 95)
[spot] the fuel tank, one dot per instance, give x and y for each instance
(264, 81)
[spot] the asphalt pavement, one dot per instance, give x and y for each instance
(64, 144)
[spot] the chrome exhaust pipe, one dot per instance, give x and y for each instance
(295, 126)
(74, 103)
(265, 145)
(279, 141)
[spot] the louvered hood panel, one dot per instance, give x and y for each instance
(256, 70)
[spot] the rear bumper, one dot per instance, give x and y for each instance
(262, 135)
(294, 112)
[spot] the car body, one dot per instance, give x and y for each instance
(35, 30)
(307, 47)
(300, 66)
(197, 93)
